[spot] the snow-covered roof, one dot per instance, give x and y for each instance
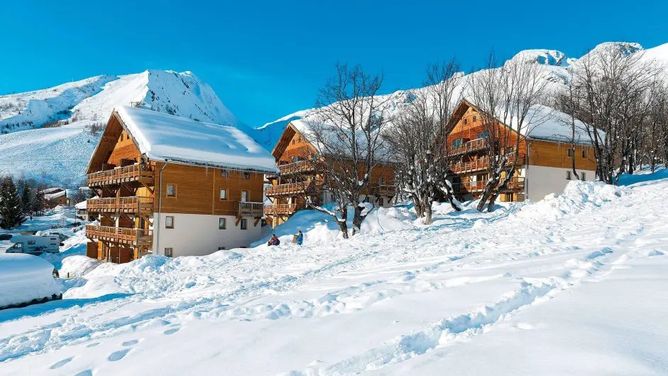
(546, 123)
(51, 190)
(167, 137)
(335, 143)
(80, 205)
(52, 196)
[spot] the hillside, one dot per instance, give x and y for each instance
(47, 134)
(517, 291)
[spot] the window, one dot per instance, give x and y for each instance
(244, 196)
(247, 175)
(570, 152)
(224, 173)
(169, 252)
(583, 175)
(483, 134)
(474, 118)
(465, 121)
(381, 180)
(169, 221)
(171, 190)
(380, 201)
(457, 143)
(222, 223)
(584, 153)
(244, 224)
(568, 175)
(223, 194)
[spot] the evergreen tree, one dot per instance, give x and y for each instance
(26, 199)
(37, 203)
(11, 214)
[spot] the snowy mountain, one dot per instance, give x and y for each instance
(554, 65)
(49, 135)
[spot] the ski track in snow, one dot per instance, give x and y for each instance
(575, 243)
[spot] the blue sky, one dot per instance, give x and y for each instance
(269, 58)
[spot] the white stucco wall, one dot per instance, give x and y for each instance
(541, 181)
(198, 234)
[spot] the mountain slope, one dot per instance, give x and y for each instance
(554, 66)
(49, 134)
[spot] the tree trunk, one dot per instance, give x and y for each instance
(357, 219)
(343, 222)
(427, 214)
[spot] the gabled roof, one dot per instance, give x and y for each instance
(541, 123)
(305, 127)
(164, 137)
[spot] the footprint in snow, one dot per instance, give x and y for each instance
(170, 331)
(130, 343)
(61, 363)
(93, 344)
(118, 355)
(86, 372)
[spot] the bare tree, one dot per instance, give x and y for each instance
(504, 96)
(611, 97)
(346, 131)
(418, 139)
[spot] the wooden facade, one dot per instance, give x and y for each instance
(132, 188)
(468, 146)
(301, 176)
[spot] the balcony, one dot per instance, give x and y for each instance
(130, 205)
(470, 146)
(297, 168)
(470, 166)
(280, 209)
(132, 173)
(481, 164)
(121, 235)
(515, 184)
(288, 189)
(251, 209)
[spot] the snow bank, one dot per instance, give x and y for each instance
(77, 266)
(24, 278)
(577, 196)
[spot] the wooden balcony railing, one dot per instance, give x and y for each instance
(132, 204)
(288, 189)
(297, 168)
(122, 235)
(515, 184)
(470, 146)
(133, 173)
(251, 209)
(481, 164)
(280, 209)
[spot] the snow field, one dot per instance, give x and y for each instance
(402, 298)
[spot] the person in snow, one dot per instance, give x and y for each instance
(274, 240)
(298, 238)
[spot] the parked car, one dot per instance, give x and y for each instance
(27, 279)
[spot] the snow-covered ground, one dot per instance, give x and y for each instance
(575, 284)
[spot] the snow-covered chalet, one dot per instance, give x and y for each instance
(173, 186)
(548, 150)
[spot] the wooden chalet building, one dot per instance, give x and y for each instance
(299, 176)
(173, 186)
(545, 153)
